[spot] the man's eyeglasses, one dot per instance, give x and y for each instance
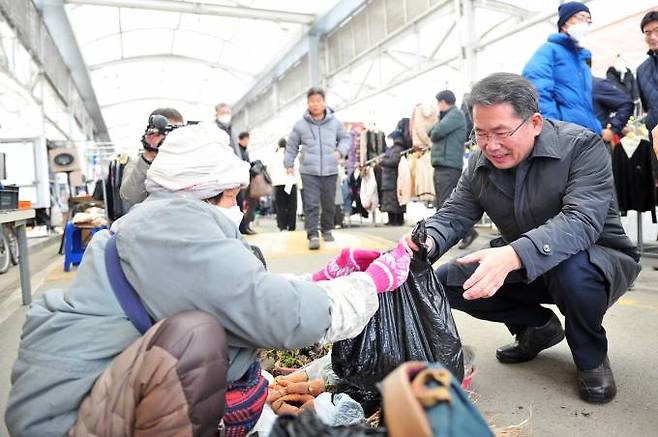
(484, 138)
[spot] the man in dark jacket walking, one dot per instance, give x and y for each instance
(324, 141)
(647, 72)
(548, 187)
(448, 136)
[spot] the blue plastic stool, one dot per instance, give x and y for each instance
(73, 245)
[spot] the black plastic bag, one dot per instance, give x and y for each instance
(308, 424)
(412, 323)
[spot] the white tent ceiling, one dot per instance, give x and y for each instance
(143, 59)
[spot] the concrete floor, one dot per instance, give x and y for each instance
(540, 395)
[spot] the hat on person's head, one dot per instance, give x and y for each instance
(197, 161)
(567, 10)
(447, 96)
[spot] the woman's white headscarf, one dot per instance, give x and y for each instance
(197, 161)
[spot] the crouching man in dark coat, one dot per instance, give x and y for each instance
(548, 187)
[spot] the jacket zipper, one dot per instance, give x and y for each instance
(321, 154)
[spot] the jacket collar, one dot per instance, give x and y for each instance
(546, 146)
(328, 115)
(653, 56)
(450, 108)
(564, 40)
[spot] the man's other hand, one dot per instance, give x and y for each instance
(495, 265)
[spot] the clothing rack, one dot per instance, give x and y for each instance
(649, 250)
(403, 153)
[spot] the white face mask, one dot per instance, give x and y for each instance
(578, 31)
(233, 213)
(224, 119)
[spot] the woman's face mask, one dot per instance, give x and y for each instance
(233, 213)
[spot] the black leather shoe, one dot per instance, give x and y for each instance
(597, 386)
(531, 341)
(247, 231)
(468, 240)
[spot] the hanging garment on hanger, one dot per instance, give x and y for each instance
(424, 116)
(375, 144)
(354, 190)
(404, 181)
(634, 179)
(369, 195)
(115, 205)
(425, 178)
(363, 148)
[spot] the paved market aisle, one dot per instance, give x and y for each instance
(541, 391)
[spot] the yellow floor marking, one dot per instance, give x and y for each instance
(59, 274)
(285, 244)
(633, 303)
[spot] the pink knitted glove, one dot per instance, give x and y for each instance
(349, 260)
(391, 269)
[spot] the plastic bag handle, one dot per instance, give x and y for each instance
(419, 236)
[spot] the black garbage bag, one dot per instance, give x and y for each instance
(412, 323)
(308, 424)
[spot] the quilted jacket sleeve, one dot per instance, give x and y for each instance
(540, 70)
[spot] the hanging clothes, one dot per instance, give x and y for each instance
(116, 207)
(354, 155)
(404, 181)
(634, 177)
(368, 194)
(423, 117)
(389, 181)
(424, 177)
(624, 82)
(372, 144)
(354, 188)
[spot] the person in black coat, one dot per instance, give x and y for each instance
(612, 106)
(245, 202)
(389, 182)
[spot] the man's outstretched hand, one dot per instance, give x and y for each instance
(495, 265)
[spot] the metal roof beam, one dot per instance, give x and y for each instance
(332, 19)
(239, 74)
(503, 7)
(59, 26)
(199, 8)
(158, 98)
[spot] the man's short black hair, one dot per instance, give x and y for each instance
(648, 18)
(315, 91)
(170, 114)
(243, 135)
(283, 142)
(447, 96)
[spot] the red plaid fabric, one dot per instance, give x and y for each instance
(245, 400)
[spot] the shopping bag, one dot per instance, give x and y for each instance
(413, 323)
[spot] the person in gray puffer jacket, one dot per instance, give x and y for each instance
(324, 142)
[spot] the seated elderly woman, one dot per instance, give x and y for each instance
(169, 308)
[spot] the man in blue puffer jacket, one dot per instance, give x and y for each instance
(324, 141)
(559, 71)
